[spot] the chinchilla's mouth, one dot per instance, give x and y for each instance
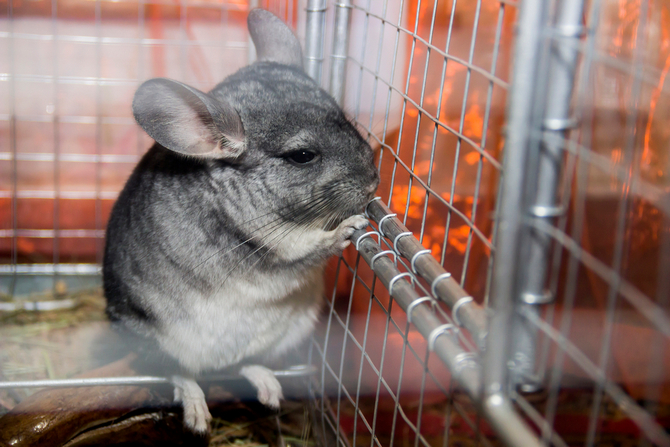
(340, 217)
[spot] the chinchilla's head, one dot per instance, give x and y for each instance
(282, 143)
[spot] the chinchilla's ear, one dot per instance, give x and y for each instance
(274, 41)
(186, 120)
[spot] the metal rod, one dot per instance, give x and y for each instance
(520, 110)
(251, 50)
(296, 371)
(338, 56)
(470, 314)
(314, 32)
(561, 68)
(464, 366)
(51, 269)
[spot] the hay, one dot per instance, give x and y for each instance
(36, 345)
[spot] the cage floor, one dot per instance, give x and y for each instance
(59, 344)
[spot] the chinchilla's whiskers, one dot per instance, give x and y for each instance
(277, 222)
(276, 211)
(277, 219)
(318, 205)
(281, 237)
(316, 224)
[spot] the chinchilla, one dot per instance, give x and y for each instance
(216, 246)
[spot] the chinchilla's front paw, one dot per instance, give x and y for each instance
(346, 228)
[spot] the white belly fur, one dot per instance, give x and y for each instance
(265, 315)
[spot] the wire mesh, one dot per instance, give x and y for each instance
(427, 82)
(601, 230)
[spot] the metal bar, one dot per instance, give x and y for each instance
(402, 291)
(441, 52)
(119, 40)
(56, 141)
(108, 195)
(548, 162)
(338, 56)
(99, 224)
(202, 4)
(52, 234)
(251, 50)
(469, 313)
(296, 371)
(442, 341)
(51, 269)
(72, 158)
(13, 148)
(519, 112)
(314, 33)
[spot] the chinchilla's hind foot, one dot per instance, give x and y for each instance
(268, 387)
(190, 395)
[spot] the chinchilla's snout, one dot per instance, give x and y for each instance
(371, 189)
(371, 173)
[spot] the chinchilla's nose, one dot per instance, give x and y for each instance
(372, 187)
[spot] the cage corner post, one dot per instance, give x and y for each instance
(314, 38)
(339, 53)
(508, 264)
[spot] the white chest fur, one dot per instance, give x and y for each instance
(264, 315)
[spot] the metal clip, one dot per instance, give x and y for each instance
(382, 253)
(395, 241)
(397, 277)
(537, 298)
(546, 211)
(457, 306)
(381, 222)
(368, 234)
(416, 302)
(366, 206)
(465, 360)
(437, 279)
(416, 255)
(437, 332)
(559, 124)
(570, 31)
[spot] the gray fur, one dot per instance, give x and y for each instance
(216, 246)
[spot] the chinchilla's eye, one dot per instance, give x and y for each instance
(301, 157)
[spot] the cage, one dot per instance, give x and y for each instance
(512, 288)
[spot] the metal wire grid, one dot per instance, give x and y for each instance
(390, 87)
(545, 129)
(579, 157)
(339, 329)
(577, 48)
(348, 344)
(428, 375)
(47, 102)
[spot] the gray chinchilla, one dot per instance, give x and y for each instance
(216, 246)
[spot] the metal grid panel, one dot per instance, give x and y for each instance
(426, 82)
(559, 174)
(611, 161)
(69, 139)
